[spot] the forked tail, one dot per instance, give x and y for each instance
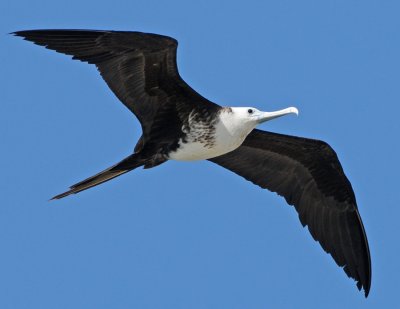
(126, 165)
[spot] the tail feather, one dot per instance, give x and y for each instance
(116, 170)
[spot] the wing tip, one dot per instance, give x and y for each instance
(23, 33)
(366, 291)
(366, 285)
(17, 33)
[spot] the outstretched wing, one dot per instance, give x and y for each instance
(308, 174)
(140, 68)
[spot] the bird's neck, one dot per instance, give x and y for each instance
(231, 127)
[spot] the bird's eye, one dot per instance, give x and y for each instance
(250, 111)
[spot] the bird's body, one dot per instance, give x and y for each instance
(179, 124)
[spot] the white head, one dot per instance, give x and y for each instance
(235, 123)
(247, 118)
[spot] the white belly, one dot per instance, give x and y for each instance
(198, 151)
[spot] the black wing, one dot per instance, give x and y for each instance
(140, 68)
(308, 174)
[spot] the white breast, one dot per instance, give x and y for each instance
(228, 134)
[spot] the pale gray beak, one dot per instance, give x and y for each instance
(265, 116)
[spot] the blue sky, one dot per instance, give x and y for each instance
(192, 235)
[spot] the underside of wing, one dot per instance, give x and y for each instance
(307, 173)
(140, 68)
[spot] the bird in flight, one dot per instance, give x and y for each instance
(180, 124)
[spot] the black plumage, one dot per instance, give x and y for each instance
(141, 70)
(307, 173)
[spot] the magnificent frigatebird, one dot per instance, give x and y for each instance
(179, 124)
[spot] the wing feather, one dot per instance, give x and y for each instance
(140, 68)
(308, 174)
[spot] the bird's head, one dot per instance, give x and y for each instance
(242, 120)
(252, 116)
